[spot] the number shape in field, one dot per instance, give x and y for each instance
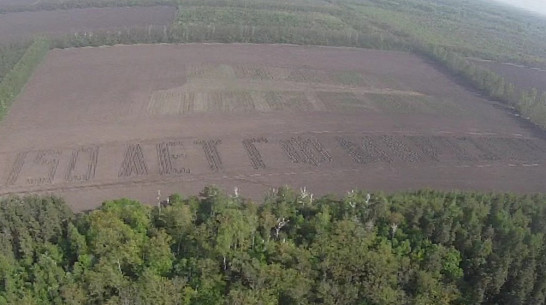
(83, 164)
(253, 152)
(37, 167)
(428, 148)
(133, 163)
(399, 149)
(16, 168)
(305, 150)
(211, 153)
(170, 155)
(441, 148)
(45, 161)
(354, 150)
(375, 150)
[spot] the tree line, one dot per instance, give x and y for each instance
(13, 81)
(529, 103)
(10, 54)
(423, 247)
(187, 33)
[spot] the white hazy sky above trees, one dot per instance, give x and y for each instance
(538, 6)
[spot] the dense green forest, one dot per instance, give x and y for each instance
(471, 28)
(422, 247)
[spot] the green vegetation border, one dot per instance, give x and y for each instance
(15, 80)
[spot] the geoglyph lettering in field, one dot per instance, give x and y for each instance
(246, 88)
(172, 159)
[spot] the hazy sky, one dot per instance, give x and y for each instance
(538, 6)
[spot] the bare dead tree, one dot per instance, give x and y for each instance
(305, 194)
(350, 196)
(394, 227)
(281, 222)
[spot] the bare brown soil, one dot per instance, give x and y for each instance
(14, 26)
(522, 77)
(126, 121)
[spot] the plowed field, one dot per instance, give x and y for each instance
(100, 123)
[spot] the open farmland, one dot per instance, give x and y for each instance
(16, 26)
(98, 123)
